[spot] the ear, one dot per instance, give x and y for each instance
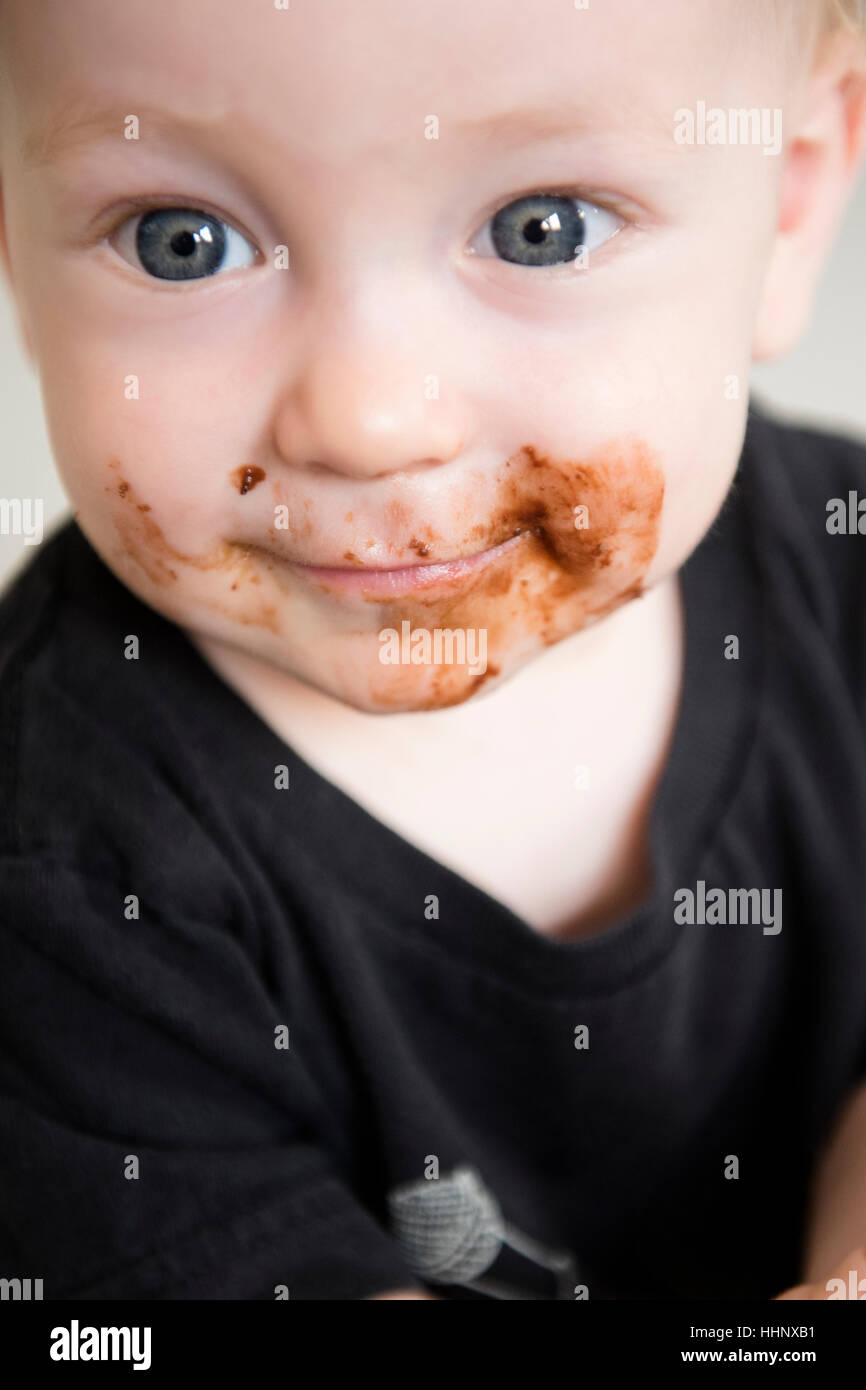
(6, 269)
(4, 248)
(822, 157)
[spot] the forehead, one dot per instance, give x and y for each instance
(335, 77)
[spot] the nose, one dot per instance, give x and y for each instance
(369, 403)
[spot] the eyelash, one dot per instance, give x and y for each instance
(117, 215)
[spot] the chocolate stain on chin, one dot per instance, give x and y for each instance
(588, 529)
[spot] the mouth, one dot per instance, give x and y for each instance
(407, 579)
(368, 581)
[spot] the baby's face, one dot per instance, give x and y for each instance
(390, 314)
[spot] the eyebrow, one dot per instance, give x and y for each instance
(74, 126)
(562, 118)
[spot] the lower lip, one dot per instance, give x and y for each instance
(379, 583)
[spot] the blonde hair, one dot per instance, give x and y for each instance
(806, 25)
(849, 12)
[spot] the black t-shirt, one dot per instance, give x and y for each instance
(250, 1037)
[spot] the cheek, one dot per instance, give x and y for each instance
(223, 578)
(589, 530)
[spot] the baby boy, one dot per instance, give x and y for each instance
(434, 773)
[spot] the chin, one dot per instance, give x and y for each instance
(414, 689)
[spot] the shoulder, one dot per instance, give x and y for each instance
(802, 474)
(95, 779)
(804, 491)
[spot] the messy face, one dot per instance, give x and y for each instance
(362, 323)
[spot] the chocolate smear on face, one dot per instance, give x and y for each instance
(584, 531)
(145, 545)
(247, 477)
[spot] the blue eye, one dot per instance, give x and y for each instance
(547, 229)
(182, 244)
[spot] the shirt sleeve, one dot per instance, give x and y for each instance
(155, 1143)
